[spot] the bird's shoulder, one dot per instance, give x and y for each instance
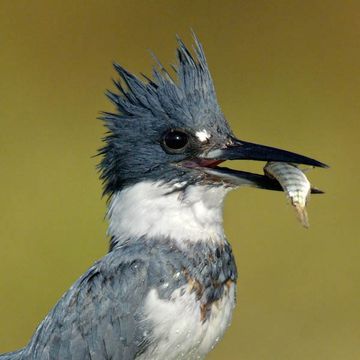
(101, 313)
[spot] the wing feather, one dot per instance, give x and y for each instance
(102, 314)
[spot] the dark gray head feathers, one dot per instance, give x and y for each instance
(147, 108)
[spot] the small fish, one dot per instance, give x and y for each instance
(295, 185)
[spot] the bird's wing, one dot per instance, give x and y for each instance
(100, 317)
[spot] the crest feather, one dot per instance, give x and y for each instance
(163, 95)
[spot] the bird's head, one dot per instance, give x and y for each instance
(173, 131)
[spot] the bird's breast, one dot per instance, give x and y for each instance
(187, 327)
(192, 305)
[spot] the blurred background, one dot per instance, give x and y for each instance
(287, 75)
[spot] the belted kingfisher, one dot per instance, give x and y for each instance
(167, 287)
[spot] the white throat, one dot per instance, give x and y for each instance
(155, 210)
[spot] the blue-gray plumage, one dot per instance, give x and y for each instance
(166, 289)
(99, 317)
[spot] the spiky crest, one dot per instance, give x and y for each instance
(162, 95)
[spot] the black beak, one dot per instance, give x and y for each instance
(242, 150)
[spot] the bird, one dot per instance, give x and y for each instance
(166, 289)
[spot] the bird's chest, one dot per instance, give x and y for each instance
(190, 315)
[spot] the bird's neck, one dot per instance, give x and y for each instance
(156, 210)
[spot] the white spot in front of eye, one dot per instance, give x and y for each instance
(203, 135)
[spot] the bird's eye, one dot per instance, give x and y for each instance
(175, 141)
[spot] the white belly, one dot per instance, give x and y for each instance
(178, 323)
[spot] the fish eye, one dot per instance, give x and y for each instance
(175, 141)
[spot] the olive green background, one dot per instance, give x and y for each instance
(287, 75)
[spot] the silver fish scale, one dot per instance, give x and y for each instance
(295, 185)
